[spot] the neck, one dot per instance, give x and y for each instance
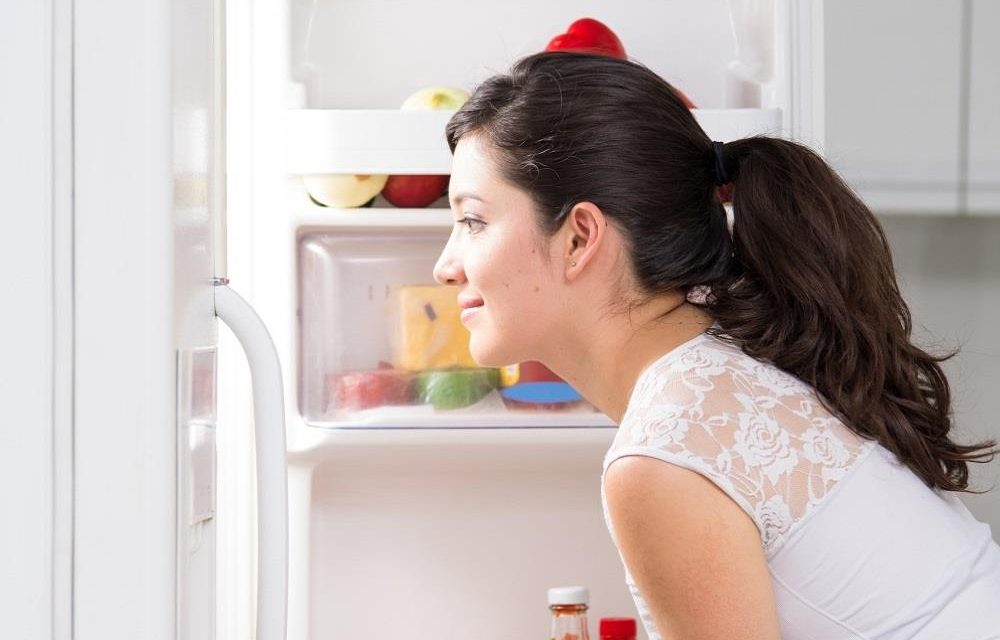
(604, 362)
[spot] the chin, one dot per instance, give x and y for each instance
(491, 354)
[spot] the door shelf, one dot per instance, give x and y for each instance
(394, 141)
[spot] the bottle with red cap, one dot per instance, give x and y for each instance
(617, 628)
(569, 613)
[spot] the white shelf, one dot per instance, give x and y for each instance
(316, 217)
(310, 444)
(306, 215)
(426, 417)
(368, 141)
(392, 141)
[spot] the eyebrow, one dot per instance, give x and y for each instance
(467, 196)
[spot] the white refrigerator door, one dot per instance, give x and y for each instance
(149, 185)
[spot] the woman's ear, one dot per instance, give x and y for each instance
(583, 234)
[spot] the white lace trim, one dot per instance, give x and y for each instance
(757, 432)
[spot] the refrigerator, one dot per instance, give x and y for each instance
(208, 477)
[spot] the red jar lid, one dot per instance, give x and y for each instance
(617, 629)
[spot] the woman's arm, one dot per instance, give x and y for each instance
(694, 554)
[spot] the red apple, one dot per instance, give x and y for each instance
(414, 191)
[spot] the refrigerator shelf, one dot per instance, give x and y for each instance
(315, 218)
(309, 443)
(395, 141)
(306, 215)
(425, 417)
(368, 141)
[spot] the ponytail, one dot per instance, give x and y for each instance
(812, 290)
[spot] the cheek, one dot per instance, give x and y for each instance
(514, 272)
(529, 287)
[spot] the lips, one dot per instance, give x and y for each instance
(470, 307)
(469, 303)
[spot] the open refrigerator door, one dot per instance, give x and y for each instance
(417, 480)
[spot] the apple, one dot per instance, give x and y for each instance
(421, 190)
(343, 190)
(414, 191)
(436, 97)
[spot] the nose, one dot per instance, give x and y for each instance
(448, 269)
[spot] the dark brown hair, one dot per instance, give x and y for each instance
(805, 279)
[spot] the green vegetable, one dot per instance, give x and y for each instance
(455, 388)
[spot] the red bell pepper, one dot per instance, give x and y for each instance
(593, 36)
(590, 36)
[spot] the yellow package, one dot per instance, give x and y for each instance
(425, 331)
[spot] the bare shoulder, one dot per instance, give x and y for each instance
(695, 555)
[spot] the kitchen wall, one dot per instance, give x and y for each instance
(912, 114)
(949, 272)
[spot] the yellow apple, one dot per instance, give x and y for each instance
(343, 190)
(436, 97)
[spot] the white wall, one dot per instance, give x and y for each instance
(949, 271)
(897, 105)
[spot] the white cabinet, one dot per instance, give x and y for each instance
(984, 110)
(893, 109)
(913, 103)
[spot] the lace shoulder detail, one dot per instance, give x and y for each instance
(757, 432)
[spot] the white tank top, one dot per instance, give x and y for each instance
(857, 546)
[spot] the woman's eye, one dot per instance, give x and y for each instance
(472, 224)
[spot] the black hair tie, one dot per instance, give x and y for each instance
(720, 169)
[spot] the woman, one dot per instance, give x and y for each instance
(782, 466)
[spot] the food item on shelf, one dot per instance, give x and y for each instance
(569, 607)
(320, 204)
(425, 330)
(436, 97)
(533, 386)
(590, 36)
(414, 190)
(529, 371)
(343, 190)
(686, 100)
(454, 388)
(616, 629)
(356, 390)
(542, 396)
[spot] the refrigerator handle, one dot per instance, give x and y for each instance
(272, 475)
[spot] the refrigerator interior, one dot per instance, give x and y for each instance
(385, 50)
(423, 523)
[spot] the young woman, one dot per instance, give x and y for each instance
(783, 466)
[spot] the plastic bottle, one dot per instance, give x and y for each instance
(617, 628)
(569, 613)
